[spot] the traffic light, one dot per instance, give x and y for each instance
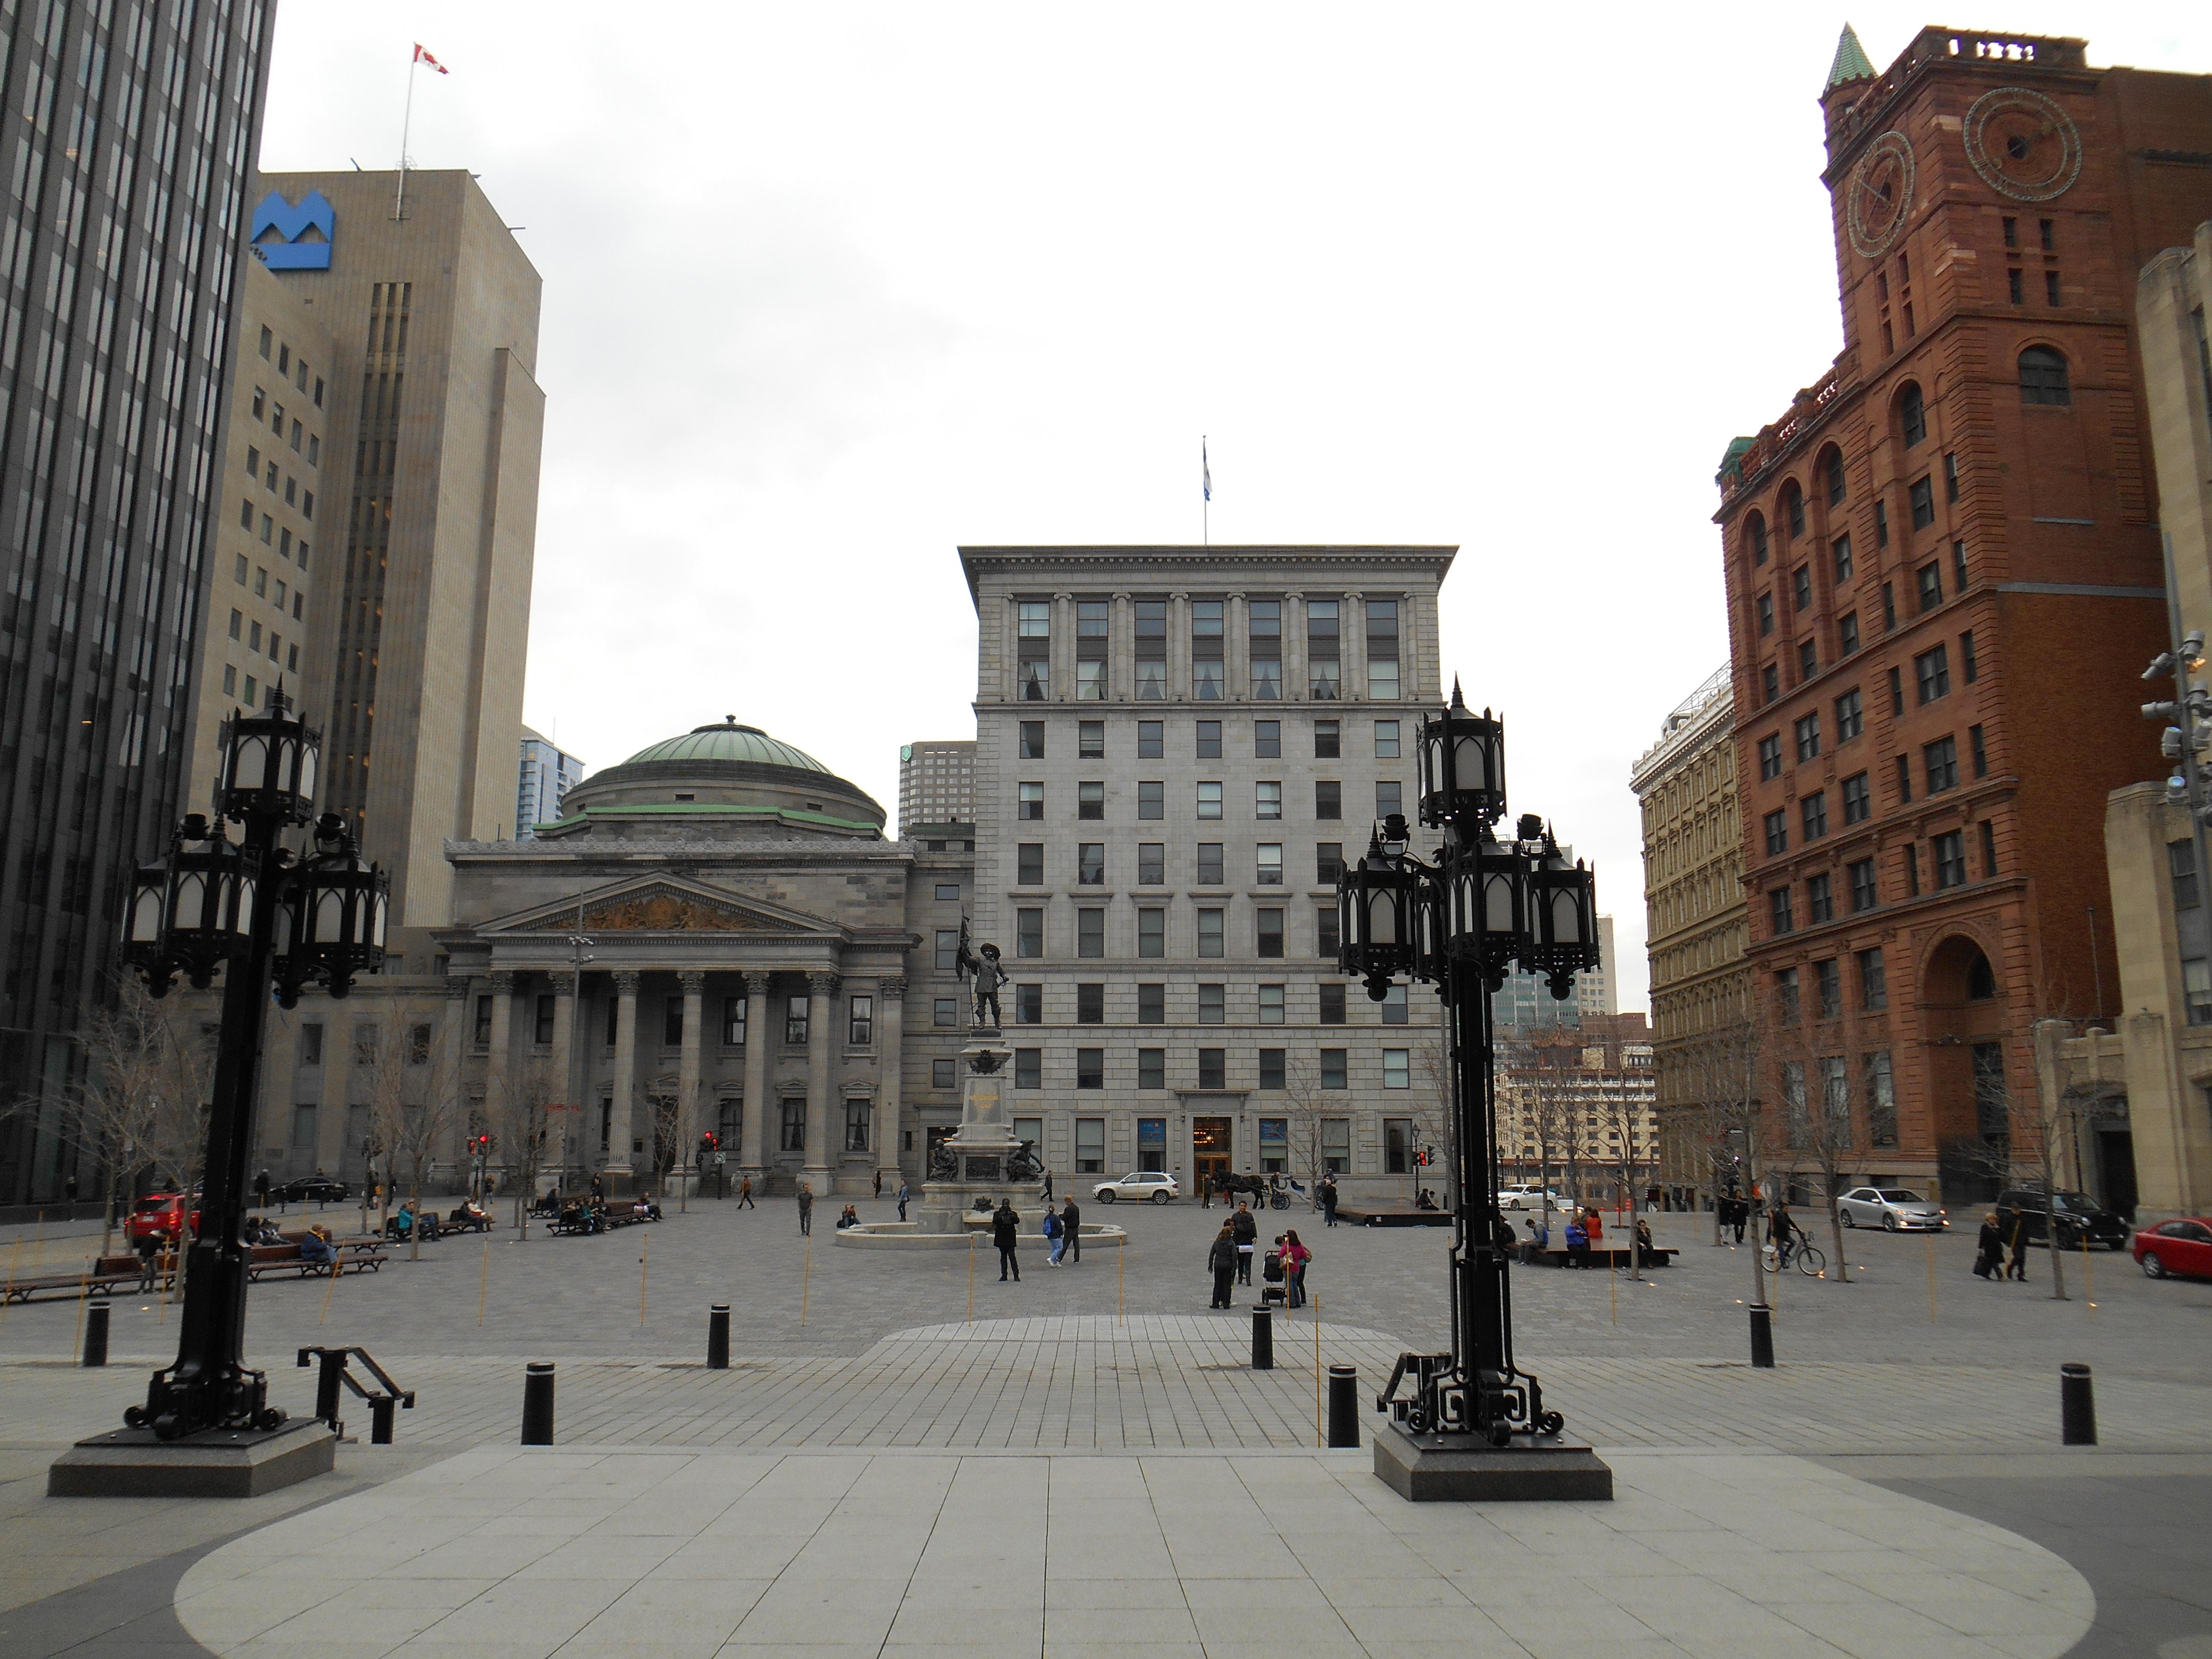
(708, 1140)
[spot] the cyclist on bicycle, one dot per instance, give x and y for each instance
(1783, 1233)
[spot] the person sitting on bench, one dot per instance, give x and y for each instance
(316, 1248)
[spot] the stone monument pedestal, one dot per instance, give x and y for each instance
(974, 1162)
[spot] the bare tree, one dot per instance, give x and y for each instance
(521, 1113)
(1816, 1099)
(1434, 1118)
(1627, 1117)
(1541, 1097)
(1306, 1105)
(141, 1106)
(412, 1106)
(1721, 1124)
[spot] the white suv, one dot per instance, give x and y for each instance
(1157, 1185)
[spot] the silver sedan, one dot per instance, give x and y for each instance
(1892, 1209)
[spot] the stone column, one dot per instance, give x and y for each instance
(1351, 648)
(752, 1132)
(558, 1127)
(331, 1150)
(1062, 682)
(1009, 667)
(1237, 650)
(821, 1015)
(1178, 648)
(272, 1131)
(1122, 653)
(1294, 649)
(891, 1023)
(499, 1064)
(694, 986)
(623, 1130)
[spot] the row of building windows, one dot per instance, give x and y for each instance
(1210, 933)
(1939, 763)
(1208, 868)
(1267, 740)
(1271, 1070)
(291, 366)
(859, 1022)
(1207, 806)
(1271, 1004)
(1948, 859)
(1837, 1118)
(1207, 640)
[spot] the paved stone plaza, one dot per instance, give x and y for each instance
(1090, 1461)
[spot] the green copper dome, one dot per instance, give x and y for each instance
(729, 741)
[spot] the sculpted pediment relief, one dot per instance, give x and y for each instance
(665, 910)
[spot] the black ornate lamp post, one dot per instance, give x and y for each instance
(1459, 921)
(264, 915)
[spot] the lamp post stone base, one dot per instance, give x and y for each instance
(213, 1463)
(1456, 1469)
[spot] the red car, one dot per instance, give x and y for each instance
(2182, 1247)
(156, 1216)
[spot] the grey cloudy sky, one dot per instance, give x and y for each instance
(832, 289)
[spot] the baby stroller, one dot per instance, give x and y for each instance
(1271, 1274)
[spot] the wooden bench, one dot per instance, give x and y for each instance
(354, 1255)
(59, 1286)
(1608, 1256)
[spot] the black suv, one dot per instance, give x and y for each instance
(2076, 1214)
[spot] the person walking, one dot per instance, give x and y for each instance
(1295, 1258)
(1047, 1194)
(260, 1189)
(1988, 1249)
(879, 1187)
(1005, 1233)
(1246, 1231)
(1205, 1190)
(1221, 1261)
(1071, 1222)
(745, 1192)
(1054, 1237)
(1739, 1215)
(1328, 1197)
(902, 1197)
(2017, 1267)
(805, 1211)
(149, 1252)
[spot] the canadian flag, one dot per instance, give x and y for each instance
(421, 55)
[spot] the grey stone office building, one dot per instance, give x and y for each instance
(132, 126)
(1176, 747)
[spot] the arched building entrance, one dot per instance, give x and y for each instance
(1970, 1094)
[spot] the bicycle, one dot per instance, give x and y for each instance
(1808, 1256)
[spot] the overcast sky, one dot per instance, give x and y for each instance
(830, 291)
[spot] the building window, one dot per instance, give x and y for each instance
(856, 1126)
(948, 892)
(1328, 862)
(1328, 799)
(1092, 623)
(1940, 761)
(1802, 587)
(1989, 849)
(1820, 899)
(1785, 995)
(1271, 1004)
(1770, 684)
(1151, 1068)
(484, 1022)
(1911, 871)
(860, 1027)
(2050, 288)
(1931, 672)
(1150, 616)
(1090, 932)
(1777, 832)
(1269, 931)
(1969, 669)
(1091, 1145)
(1266, 801)
(1879, 1089)
(1842, 551)
(1209, 801)
(943, 1073)
(2014, 290)
(1865, 896)
(1903, 781)
(1766, 614)
(1151, 932)
(2043, 377)
(1851, 717)
(791, 1123)
(1090, 864)
(1328, 740)
(1808, 730)
(1267, 739)
(1032, 743)
(671, 1022)
(1089, 1068)
(1029, 933)
(1325, 681)
(1212, 1005)
(1212, 1068)
(1758, 529)
(1332, 1001)
(1914, 415)
(1814, 811)
(945, 1013)
(2196, 989)
(1091, 800)
(1091, 740)
(1393, 1007)
(1273, 1067)
(1950, 860)
(1770, 757)
(1268, 863)
(795, 1013)
(1336, 1144)
(1211, 933)
(1031, 802)
(1334, 1069)
(1778, 911)
(1793, 507)
(1397, 1069)
(1205, 650)
(1029, 867)
(1028, 1004)
(1828, 987)
(1390, 798)
(1888, 609)
(1152, 801)
(1808, 660)
(1264, 622)
(1209, 740)
(1090, 1005)
(1150, 739)
(1882, 524)
(2181, 869)
(1979, 754)
(948, 950)
(1152, 864)
(1209, 863)
(1028, 1068)
(1922, 495)
(1874, 981)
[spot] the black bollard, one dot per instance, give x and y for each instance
(2077, 1406)
(95, 1333)
(380, 1408)
(717, 1337)
(537, 1403)
(1263, 1339)
(1343, 1406)
(1762, 1337)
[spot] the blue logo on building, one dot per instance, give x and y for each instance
(289, 224)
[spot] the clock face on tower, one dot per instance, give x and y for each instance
(1880, 195)
(2023, 145)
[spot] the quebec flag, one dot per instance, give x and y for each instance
(277, 218)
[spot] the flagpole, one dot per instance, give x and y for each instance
(1205, 496)
(406, 122)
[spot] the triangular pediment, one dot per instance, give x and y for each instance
(662, 902)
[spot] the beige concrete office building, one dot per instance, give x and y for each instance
(1695, 919)
(1175, 748)
(423, 330)
(937, 784)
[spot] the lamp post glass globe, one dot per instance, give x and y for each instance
(1462, 766)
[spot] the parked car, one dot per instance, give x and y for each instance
(157, 1215)
(2182, 1246)
(321, 1189)
(1529, 1198)
(1139, 1185)
(2076, 1214)
(1892, 1209)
